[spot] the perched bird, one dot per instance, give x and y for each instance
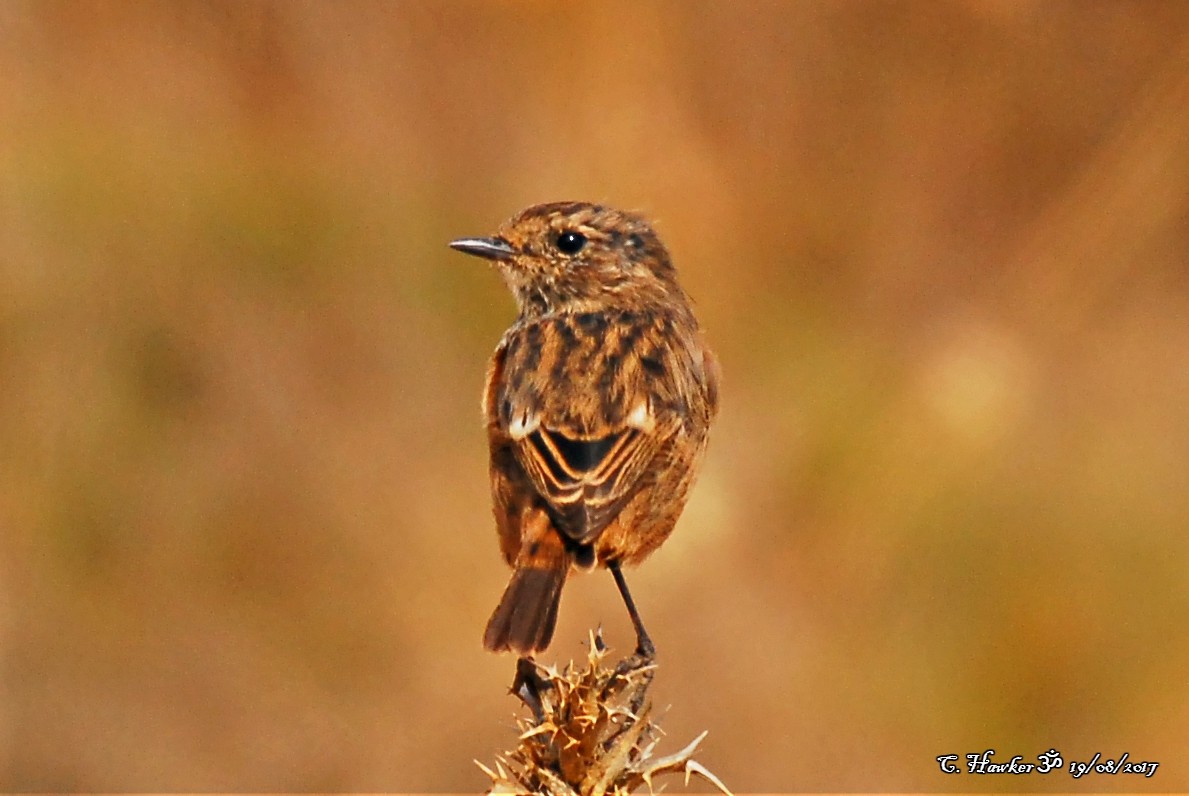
(598, 402)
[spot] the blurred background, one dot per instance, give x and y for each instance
(941, 248)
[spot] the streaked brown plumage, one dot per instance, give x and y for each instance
(598, 403)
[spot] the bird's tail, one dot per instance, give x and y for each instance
(523, 621)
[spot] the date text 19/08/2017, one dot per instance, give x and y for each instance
(1047, 762)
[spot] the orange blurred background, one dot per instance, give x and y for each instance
(941, 248)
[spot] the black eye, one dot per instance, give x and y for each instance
(570, 242)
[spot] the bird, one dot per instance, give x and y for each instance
(598, 403)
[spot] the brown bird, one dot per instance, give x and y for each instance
(598, 403)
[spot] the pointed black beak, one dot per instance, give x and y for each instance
(487, 248)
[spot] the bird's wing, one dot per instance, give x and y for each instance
(586, 482)
(584, 427)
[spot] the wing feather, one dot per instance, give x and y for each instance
(587, 482)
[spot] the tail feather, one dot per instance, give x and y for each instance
(523, 622)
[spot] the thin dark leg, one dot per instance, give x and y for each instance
(644, 645)
(531, 687)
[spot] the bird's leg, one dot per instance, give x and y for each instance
(645, 650)
(636, 671)
(529, 687)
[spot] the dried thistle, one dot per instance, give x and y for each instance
(590, 732)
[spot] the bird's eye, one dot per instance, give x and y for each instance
(570, 242)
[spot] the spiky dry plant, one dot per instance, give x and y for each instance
(590, 732)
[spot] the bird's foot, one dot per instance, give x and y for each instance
(530, 687)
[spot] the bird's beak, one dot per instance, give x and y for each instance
(487, 248)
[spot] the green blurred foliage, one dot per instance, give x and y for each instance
(942, 249)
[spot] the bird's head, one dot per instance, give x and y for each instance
(577, 256)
